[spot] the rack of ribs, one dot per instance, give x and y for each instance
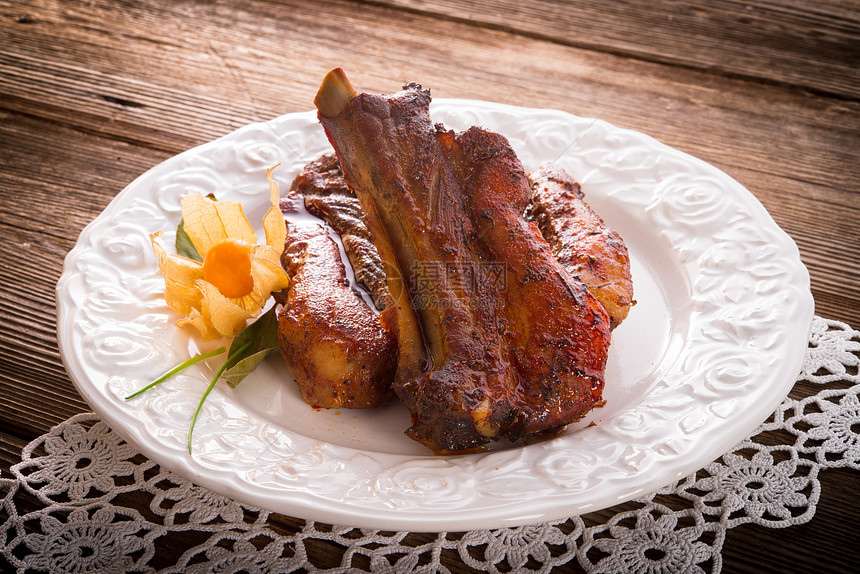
(495, 338)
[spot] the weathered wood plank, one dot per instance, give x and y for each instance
(36, 391)
(10, 452)
(812, 46)
(53, 181)
(204, 92)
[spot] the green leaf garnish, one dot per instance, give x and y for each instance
(180, 367)
(184, 246)
(230, 360)
(247, 351)
(258, 339)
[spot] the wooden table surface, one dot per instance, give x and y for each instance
(93, 93)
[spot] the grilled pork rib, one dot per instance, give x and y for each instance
(495, 338)
(333, 343)
(322, 176)
(581, 241)
(327, 196)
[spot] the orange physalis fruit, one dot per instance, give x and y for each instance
(227, 266)
(238, 275)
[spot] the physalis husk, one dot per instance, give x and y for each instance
(237, 275)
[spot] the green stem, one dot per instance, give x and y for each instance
(223, 368)
(176, 369)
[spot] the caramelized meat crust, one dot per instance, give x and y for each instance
(581, 241)
(327, 196)
(333, 343)
(496, 339)
(322, 176)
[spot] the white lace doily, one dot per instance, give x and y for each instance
(83, 500)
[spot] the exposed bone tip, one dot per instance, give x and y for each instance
(335, 93)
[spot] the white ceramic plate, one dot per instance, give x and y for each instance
(712, 347)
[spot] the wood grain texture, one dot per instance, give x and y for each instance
(788, 42)
(94, 93)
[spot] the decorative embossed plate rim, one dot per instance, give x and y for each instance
(721, 290)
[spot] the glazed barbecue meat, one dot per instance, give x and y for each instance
(343, 214)
(326, 196)
(581, 241)
(333, 343)
(495, 338)
(322, 176)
